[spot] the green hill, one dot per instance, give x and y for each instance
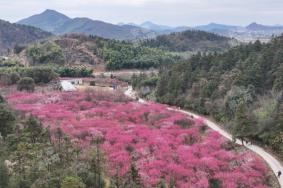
(241, 88)
(15, 34)
(191, 40)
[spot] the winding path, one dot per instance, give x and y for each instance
(274, 164)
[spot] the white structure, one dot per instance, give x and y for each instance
(4, 58)
(67, 86)
(75, 81)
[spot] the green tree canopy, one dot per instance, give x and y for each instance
(72, 182)
(26, 84)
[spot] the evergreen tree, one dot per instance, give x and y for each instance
(34, 128)
(243, 125)
(4, 176)
(135, 177)
(7, 119)
(72, 182)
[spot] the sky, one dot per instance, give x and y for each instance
(167, 12)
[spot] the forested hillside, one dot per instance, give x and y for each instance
(76, 49)
(241, 88)
(191, 40)
(14, 34)
(95, 51)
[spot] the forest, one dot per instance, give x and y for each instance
(191, 40)
(116, 55)
(242, 88)
(127, 56)
(40, 74)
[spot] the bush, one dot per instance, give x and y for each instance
(18, 49)
(4, 175)
(46, 53)
(92, 83)
(74, 72)
(6, 120)
(9, 78)
(1, 99)
(15, 77)
(72, 182)
(9, 63)
(44, 74)
(27, 84)
(184, 123)
(214, 183)
(40, 74)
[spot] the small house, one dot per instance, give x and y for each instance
(76, 81)
(67, 86)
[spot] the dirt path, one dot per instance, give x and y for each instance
(274, 164)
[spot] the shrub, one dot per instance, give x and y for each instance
(9, 63)
(46, 53)
(40, 74)
(92, 83)
(4, 176)
(1, 99)
(184, 123)
(214, 183)
(72, 182)
(9, 78)
(6, 120)
(15, 77)
(18, 49)
(74, 72)
(26, 84)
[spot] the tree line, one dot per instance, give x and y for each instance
(242, 88)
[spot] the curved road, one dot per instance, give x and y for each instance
(274, 164)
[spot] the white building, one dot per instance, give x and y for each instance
(67, 86)
(75, 81)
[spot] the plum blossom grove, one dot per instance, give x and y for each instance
(163, 145)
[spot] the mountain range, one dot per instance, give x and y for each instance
(15, 34)
(252, 32)
(58, 23)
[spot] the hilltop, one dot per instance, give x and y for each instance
(15, 34)
(59, 24)
(191, 41)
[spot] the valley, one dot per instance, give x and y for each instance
(137, 144)
(86, 103)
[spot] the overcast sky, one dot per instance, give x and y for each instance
(170, 12)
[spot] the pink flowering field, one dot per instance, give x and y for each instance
(163, 144)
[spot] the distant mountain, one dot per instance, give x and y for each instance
(15, 34)
(215, 26)
(163, 29)
(58, 24)
(132, 24)
(191, 40)
(252, 32)
(155, 27)
(259, 27)
(49, 20)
